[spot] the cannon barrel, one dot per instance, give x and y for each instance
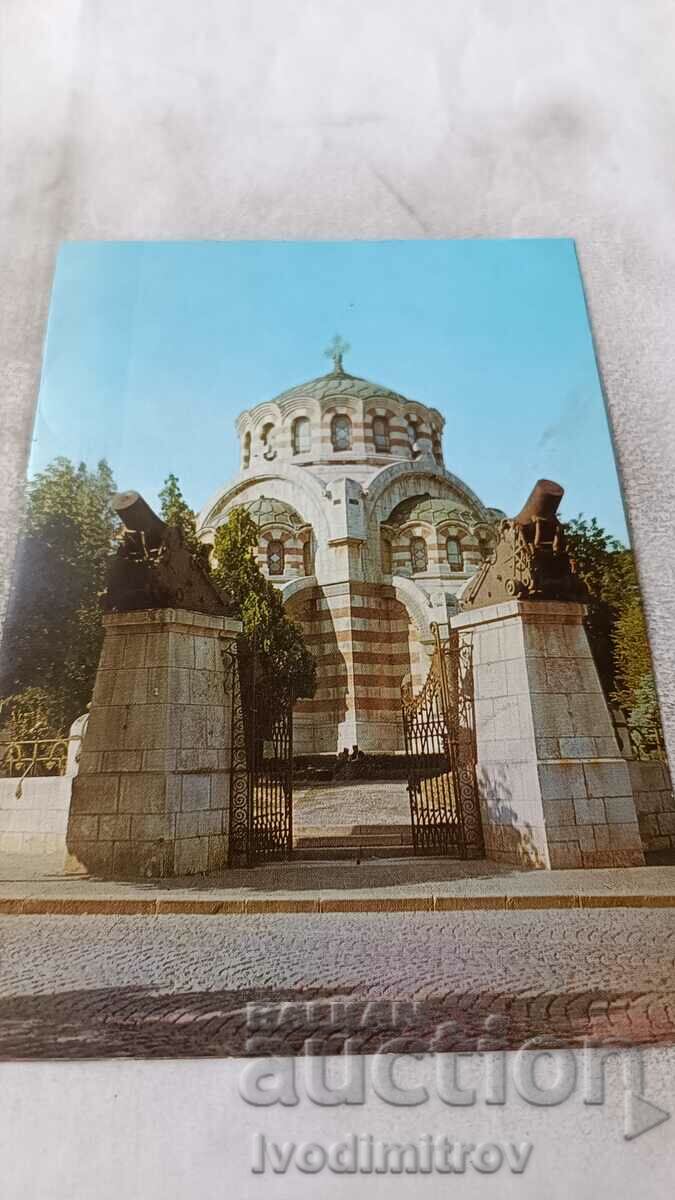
(543, 501)
(138, 517)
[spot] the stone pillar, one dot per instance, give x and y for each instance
(152, 794)
(654, 803)
(555, 790)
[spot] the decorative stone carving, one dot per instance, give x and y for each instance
(530, 560)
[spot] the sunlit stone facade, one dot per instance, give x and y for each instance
(366, 534)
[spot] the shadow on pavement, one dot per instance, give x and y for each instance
(139, 1022)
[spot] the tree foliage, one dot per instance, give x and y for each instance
(52, 636)
(616, 626)
(272, 648)
(175, 510)
(53, 631)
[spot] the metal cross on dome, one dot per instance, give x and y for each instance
(337, 348)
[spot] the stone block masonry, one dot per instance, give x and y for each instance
(34, 814)
(555, 790)
(152, 795)
(654, 804)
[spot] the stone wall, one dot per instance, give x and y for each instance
(555, 790)
(34, 815)
(653, 796)
(152, 795)
(34, 811)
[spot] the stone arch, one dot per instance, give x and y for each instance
(409, 479)
(421, 640)
(317, 721)
(300, 405)
(416, 604)
(401, 481)
(288, 483)
(295, 587)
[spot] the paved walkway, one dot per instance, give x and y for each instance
(82, 987)
(351, 803)
(36, 886)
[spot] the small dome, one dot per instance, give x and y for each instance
(433, 511)
(265, 511)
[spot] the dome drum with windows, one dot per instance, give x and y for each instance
(368, 536)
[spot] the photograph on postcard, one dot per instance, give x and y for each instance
(325, 676)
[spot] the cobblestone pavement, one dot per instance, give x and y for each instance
(177, 985)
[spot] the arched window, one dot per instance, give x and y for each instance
(418, 555)
(386, 556)
(267, 439)
(454, 552)
(381, 435)
(308, 557)
(246, 452)
(413, 434)
(341, 432)
(275, 557)
(436, 447)
(301, 435)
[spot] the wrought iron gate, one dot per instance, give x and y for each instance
(438, 725)
(271, 790)
(261, 789)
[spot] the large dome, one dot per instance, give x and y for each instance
(335, 419)
(335, 384)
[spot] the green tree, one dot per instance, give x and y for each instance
(52, 636)
(604, 565)
(272, 648)
(644, 719)
(616, 627)
(176, 511)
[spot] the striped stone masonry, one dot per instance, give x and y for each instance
(364, 643)
(152, 794)
(554, 788)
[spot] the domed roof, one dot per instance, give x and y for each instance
(433, 511)
(339, 383)
(265, 511)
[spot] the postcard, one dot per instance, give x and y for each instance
(328, 719)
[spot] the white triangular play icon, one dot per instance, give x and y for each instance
(641, 1115)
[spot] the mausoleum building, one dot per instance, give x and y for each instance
(368, 536)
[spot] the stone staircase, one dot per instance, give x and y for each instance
(351, 820)
(322, 843)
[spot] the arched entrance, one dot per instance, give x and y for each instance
(361, 807)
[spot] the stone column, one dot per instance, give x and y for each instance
(555, 790)
(152, 794)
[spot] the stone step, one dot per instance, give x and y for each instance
(334, 835)
(347, 843)
(348, 853)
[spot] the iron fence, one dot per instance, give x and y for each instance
(41, 756)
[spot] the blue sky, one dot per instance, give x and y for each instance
(153, 348)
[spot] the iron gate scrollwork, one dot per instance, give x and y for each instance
(261, 788)
(271, 785)
(440, 747)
